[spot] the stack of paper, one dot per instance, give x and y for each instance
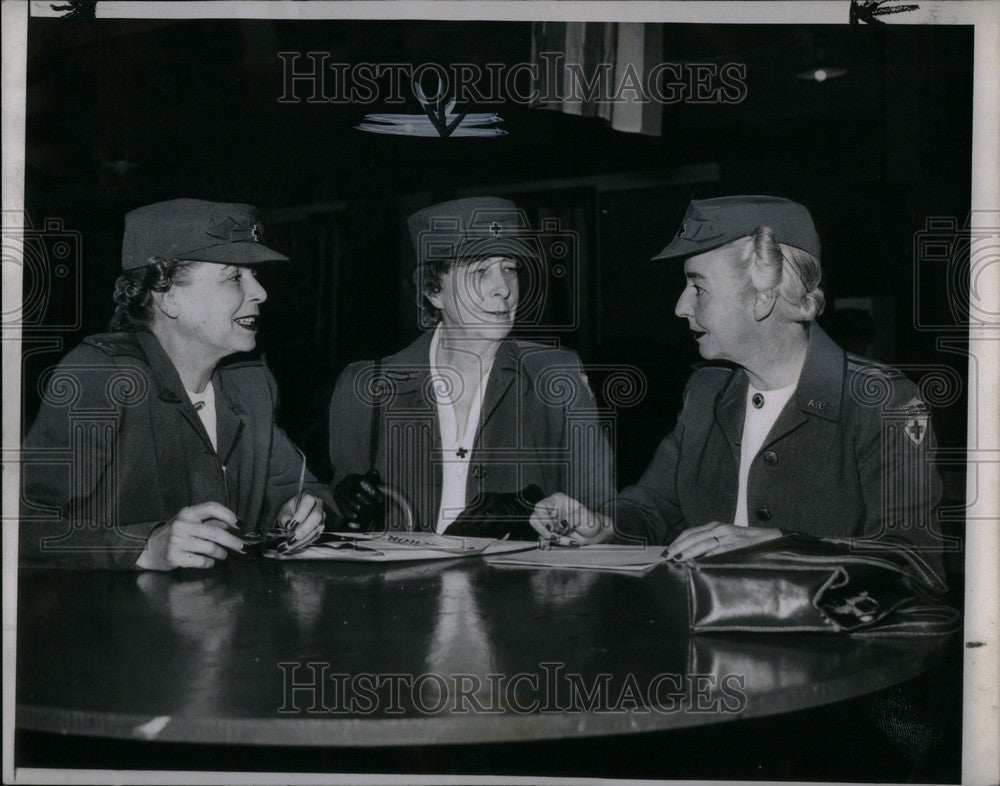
(398, 547)
(637, 559)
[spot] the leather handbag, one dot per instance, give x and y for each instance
(798, 583)
(499, 515)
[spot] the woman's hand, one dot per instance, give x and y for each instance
(717, 538)
(305, 521)
(195, 538)
(561, 519)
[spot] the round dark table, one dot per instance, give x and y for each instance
(336, 654)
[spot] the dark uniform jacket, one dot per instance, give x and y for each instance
(538, 425)
(117, 447)
(848, 457)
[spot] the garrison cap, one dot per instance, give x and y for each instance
(711, 223)
(463, 230)
(195, 230)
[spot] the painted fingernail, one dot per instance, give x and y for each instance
(292, 525)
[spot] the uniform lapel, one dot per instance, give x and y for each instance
(412, 401)
(229, 421)
(789, 419)
(820, 386)
(502, 376)
(408, 375)
(169, 386)
(730, 411)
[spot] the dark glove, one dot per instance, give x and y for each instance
(358, 498)
(495, 514)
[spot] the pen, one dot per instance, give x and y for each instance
(302, 479)
(298, 494)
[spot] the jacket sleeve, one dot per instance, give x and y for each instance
(285, 465)
(650, 511)
(350, 424)
(68, 510)
(901, 485)
(592, 479)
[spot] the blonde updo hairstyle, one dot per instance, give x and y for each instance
(790, 273)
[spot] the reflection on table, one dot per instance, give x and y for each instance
(316, 653)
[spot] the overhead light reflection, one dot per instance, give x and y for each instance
(821, 74)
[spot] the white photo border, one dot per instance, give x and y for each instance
(981, 737)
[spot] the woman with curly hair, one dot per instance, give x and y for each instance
(156, 442)
(467, 417)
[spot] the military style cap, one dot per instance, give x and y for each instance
(195, 230)
(466, 229)
(711, 223)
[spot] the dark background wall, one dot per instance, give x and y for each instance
(127, 112)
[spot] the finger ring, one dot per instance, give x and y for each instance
(564, 527)
(717, 541)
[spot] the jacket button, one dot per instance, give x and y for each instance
(479, 472)
(762, 514)
(770, 457)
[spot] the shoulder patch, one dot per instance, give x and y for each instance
(916, 426)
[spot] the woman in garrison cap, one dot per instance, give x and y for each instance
(466, 415)
(156, 442)
(788, 432)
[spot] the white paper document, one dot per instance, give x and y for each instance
(601, 557)
(399, 547)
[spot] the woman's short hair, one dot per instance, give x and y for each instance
(789, 272)
(427, 280)
(135, 287)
